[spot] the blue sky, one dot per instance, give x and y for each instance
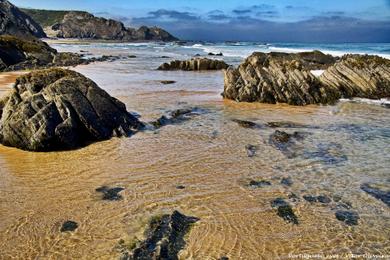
(262, 20)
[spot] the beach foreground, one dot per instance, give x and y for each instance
(209, 166)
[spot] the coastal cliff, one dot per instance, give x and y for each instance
(83, 25)
(15, 22)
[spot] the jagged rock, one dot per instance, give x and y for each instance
(83, 25)
(110, 193)
(364, 76)
(174, 116)
(194, 64)
(164, 237)
(350, 218)
(377, 193)
(276, 78)
(21, 53)
(15, 22)
(69, 225)
(284, 210)
(58, 109)
(286, 78)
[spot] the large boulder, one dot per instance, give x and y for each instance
(59, 109)
(15, 22)
(21, 53)
(279, 78)
(364, 76)
(194, 64)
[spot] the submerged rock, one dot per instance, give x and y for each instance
(377, 193)
(245, 123)
(258, 184)
(69, 226)
(350, 218)
(251, 150)
(59, 109)
(166, 82)
(321, 199)
(287, 181)
(276, 78)
(284, 142)
(175, 116)
(110, 193)
(284, 210)
(288, 124)
(164, 237)
(364, 76)
(328, 153)
(194, 64)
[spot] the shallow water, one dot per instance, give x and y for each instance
(345, 146)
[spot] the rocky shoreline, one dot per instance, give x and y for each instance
(287, 78)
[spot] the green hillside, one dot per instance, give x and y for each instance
(45, 17)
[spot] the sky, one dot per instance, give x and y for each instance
(324, 21)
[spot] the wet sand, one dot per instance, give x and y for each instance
(39, 191)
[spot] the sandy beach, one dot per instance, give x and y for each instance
(207, 156)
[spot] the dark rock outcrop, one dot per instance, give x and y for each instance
(58, 109)
(83, 25)
(21, 53)
(15, 22)
(194, 64)
(364, 76)
(377, 193)
(286, 78)
(276, 78)
(164, 237)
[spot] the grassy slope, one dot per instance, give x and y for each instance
(45, 17)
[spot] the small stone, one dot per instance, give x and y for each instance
(251, 150)
(245, 124)
(287, 181)
(180, 187)
(69, 226)
(258, 184)
(310, 198)
(166, 82)
(323, 199)
(348, 217)
(110, 193)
